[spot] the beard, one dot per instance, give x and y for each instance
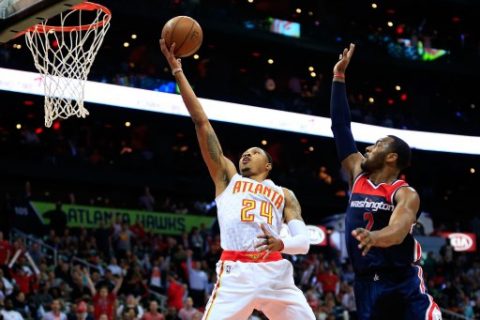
(245, 171)
(371, 164)
(364, 166)
(368, 166)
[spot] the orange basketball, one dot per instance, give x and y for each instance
(185, 32)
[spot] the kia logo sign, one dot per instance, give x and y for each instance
(316, 235)
(460, 241)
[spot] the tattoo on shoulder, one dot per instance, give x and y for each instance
(294, 204)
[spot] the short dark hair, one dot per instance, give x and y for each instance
(269, 157)
(402, 149)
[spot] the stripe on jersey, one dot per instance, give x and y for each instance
(417, 255)
(432, 306)
(420, 276)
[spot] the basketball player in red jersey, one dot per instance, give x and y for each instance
(251, 209)
(381, 212)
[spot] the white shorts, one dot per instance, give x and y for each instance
(266, 286)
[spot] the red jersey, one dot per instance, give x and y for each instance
(175, 294)
(104, 305)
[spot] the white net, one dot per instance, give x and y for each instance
(64, 55)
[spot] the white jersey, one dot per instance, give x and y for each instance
(243, 206)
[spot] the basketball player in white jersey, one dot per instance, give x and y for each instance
(251, 209)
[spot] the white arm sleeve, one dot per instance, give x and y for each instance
(298, 242)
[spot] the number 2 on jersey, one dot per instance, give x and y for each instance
(368, 216)
(249, 204)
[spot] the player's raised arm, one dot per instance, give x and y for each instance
(340, 115)
(400, 224)
(221, 168)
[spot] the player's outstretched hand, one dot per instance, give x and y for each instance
(366, 239)
(173, 62)
(268, 242)
(344, 60)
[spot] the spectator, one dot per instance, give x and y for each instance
(20, 304)
(103, 300)
(80, 312)
(115, 268)
(138, 231)
(198, 281)
(102, 235)
(42, 298)
(36, 252)
(348, 300)
(175, 292)
(131, 304)
(108, 280)
(188, 311)
(123, 241)
(156, 276)
(58, 218)
(329, 280)
(147, 201)
(7, 285)
(196, 242)
(80, 289)
(8, 313)
(152, 313)
(23, 276)
(55, 313)
(62, 271)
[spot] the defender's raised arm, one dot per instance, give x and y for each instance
(340, 115)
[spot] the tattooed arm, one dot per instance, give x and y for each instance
(221, 168)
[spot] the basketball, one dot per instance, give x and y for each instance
(185, 32)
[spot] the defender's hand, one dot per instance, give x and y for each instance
(344, 60)
(366, 238)
(170, 56)
(270, 242)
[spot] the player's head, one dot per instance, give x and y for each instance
(388, 151)
(255, 161)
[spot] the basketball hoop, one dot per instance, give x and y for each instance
(63, 54)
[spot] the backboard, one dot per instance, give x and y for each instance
(18, 15)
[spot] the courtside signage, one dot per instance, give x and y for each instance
(154, 222)
(461, 241)
(140, 99)
(317, 235)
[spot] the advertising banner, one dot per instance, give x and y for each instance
(461, 241)
(155, 222)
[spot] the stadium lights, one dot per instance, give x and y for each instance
(152, 101)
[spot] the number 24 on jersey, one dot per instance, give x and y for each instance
(265, 210)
